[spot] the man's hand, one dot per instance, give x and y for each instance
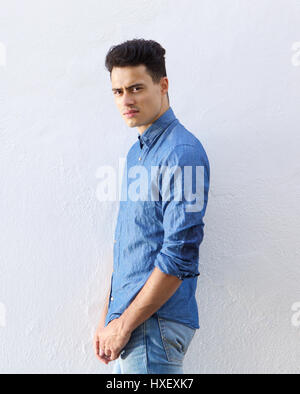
(110, 340)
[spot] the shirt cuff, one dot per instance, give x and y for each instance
(176, 267)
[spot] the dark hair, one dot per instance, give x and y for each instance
(137, 52)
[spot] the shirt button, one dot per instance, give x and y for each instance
(111, 298)
(140, 158)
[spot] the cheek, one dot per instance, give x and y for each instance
(149, 98)
(118, 103)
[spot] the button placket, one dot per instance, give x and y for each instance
(143, 154)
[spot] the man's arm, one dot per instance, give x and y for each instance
(155, 293)
(158, 288)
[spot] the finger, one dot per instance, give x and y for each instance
(96, 346)
(101, 348)
(105, 350)
(99, 352)
(103, 355)
(103, 360)
(114, 356)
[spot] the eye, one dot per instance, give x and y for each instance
(116, 92)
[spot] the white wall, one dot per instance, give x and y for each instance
(234, 71)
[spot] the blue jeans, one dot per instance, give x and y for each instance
(157, 346)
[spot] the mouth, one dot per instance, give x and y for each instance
(130, 114)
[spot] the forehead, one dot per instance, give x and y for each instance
(126, 76)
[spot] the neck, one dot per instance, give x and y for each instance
(143, 128)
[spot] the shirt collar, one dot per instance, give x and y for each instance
(157, 128)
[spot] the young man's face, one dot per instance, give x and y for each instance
(149, 99)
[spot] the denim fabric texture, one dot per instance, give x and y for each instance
(157, 346)
(154, 227)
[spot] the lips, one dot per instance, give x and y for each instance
(131, 112)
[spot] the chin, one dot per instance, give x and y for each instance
(132, 125)
(131, 122)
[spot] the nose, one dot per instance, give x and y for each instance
(128, 100)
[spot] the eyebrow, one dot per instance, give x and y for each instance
(129, 87)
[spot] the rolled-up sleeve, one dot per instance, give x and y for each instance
(183, 206)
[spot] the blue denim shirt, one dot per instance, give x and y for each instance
(157, 225)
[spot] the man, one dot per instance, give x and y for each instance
(151, 314)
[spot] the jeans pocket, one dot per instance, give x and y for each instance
(176, 338)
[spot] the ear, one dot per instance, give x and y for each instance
(164, 85)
